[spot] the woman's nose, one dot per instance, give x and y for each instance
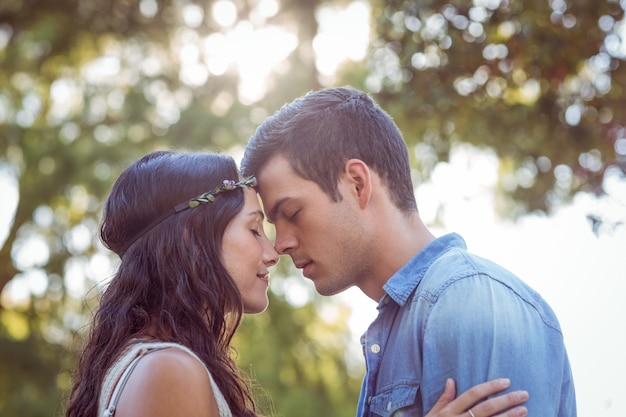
(270, 256)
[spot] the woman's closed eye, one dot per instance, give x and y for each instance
(258, 230)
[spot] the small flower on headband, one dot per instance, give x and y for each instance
(209, 197)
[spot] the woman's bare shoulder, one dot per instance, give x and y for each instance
(168, 382)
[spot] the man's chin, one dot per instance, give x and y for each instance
(327, 291)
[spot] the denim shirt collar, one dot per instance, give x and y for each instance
(401, 284)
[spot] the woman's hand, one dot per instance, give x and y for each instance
(469, 403)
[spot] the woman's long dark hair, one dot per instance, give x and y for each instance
(171, 284)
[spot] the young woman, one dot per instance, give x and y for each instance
(194, 258)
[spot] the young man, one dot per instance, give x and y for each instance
(334, 177)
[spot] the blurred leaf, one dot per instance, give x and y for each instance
(541, 83)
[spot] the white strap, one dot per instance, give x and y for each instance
(222, 405)
(110, 410)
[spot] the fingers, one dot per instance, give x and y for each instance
(470, 399)
(508, 405)
(503, 402)
(481, 391)
(448, 395)
(515, 412)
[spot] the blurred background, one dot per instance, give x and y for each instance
(514, 112)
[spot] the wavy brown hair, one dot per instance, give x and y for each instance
(171, 284)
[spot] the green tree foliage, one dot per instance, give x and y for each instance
(300, 360)
(540, 82)
(29, 370)
(85, 88)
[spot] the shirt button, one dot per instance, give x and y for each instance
(375, 348)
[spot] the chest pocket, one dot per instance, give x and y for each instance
(397, 400)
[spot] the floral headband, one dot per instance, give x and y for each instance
(204, 198)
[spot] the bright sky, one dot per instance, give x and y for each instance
(583, 276)
(255, 53)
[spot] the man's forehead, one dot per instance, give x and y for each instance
(274, 195)
(275, 177)
(278, 164)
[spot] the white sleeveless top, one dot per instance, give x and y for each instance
(118, 374)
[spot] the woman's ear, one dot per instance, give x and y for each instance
(359, 178)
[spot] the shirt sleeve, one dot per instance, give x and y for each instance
(479, 328)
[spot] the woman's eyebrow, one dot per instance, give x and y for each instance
(257, 213)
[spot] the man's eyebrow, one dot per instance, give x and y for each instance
(271, 215)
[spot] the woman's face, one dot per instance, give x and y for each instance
(247, 254)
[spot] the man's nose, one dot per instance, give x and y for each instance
(285, 243)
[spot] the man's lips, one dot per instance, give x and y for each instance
(264, 277)
(305, 267)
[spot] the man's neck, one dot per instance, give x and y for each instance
(398, 240)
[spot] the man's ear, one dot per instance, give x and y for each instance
(359, 178)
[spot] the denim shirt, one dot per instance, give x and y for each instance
(450, 314)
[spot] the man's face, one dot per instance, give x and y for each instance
(322, 237)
